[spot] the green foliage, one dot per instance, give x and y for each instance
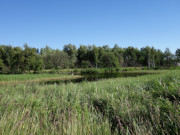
(168, 58)
(38, 64)
(1, 65)
(90, 71)
(16, 60)
(109, 60)
(33, 77)
(60, 59)
(131, 55)
(138, 105)
(177, 53)
(85, 64)
(165, 88)
(82, 54)
(72, 53)
(118, 69)
(27, 59)
(54, 71)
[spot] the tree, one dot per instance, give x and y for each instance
(1, 65)
(109, 60)
(101, 52)
(168, 58)
(47, 62)
(95, 55)
(38, 64)
(92, 56)
(119, 52)
(159, 56)
(131, 56)
(153, 52)
(72, 53)
(45, 51)
(146, 58)
(8, 56)
(178, 54)
(46, 54)
(60, 59)
(18, 60)
(31, 60)
(1, 60)
(82, 54)
(106, 48)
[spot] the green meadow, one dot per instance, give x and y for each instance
(148, 104)
(28, 78)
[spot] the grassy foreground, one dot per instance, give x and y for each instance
(143, 105)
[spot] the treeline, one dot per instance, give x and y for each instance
(20, 60)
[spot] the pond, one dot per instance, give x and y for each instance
(94, 77)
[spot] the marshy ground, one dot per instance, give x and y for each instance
(148, 104)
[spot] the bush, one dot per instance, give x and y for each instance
(1, 65)
(85, 64)
(125, 69)
(6, 70)
(89, 71)
(118, 69)
(76, 71)
(157, 68)
(54, 71)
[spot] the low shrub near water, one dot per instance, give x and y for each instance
(54, 71)
(174, 68)
(90, 71)
(143, 105)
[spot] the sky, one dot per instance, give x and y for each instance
(136, 23)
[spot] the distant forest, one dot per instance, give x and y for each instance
(20, 60)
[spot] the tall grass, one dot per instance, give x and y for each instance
(142, 105)
(30, 77)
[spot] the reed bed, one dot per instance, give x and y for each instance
(147, 104)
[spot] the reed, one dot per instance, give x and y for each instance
(143, 105)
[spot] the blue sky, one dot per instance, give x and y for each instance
(58, 22)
